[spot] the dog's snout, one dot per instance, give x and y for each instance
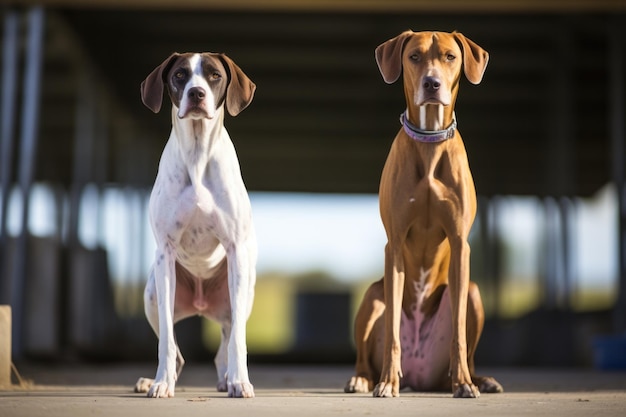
(196, 94)
(431, 83)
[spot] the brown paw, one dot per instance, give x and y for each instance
(490, 385)
(466, 391)
(357, 384)
(385, 390)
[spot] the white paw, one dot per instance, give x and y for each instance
(161, 390)
(143, 384)
(222, 386)
(241, 390)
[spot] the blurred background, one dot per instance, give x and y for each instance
(544, 133)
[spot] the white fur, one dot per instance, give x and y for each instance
(199, 188)
(435, 123)
(422, 121)
(421, 288)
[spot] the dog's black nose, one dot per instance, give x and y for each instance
(196, 94)
(431, 83)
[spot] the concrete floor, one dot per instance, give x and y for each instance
(106, 390)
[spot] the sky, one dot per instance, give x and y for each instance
(338, 234)
(343, 235)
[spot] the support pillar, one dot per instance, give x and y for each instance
(28, 152)
(618, 151)
(7, 139)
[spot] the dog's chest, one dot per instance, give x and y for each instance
(186, 214)
(419, 338)
(414, 323)
(414, 332)
(198, 237)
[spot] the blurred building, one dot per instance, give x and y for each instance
(546, 124)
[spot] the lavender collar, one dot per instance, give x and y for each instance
(427, 136)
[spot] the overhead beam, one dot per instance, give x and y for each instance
(387, 6)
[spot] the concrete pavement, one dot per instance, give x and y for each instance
(300, 391)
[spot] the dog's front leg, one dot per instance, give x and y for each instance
(221, 358)
(462, 386)
(389, 385)
(240, 277)
(165, 279)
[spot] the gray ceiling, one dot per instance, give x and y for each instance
(322, 119)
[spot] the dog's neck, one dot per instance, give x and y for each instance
(431, 117)
(192, 133)
(195, 140)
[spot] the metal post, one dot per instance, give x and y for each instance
(28, 153)
(561, 152)
(568, 238)
(83, 148)
(7, 130)
(560, 172)
(495, 252)
(487, 286)
(618, 150)
(552, 254)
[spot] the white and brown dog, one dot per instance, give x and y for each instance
(419, 326)
(201, 219)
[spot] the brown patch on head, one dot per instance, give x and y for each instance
(197, 85)
(152, 86)
(227, 82)
(240, 88)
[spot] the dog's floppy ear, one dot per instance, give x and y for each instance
(152, 86)
(240, 89)
(475, 58)
(389, 57)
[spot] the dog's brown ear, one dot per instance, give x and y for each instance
(240, 90)
(152, 86)
(475, 58)
(389, 57)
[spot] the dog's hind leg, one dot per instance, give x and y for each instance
(475, 322)
(368, 334)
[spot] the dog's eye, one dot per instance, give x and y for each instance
(179, 75)
(216, 76)
(416, 57)
(450, 57)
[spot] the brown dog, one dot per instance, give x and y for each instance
(433, 314)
